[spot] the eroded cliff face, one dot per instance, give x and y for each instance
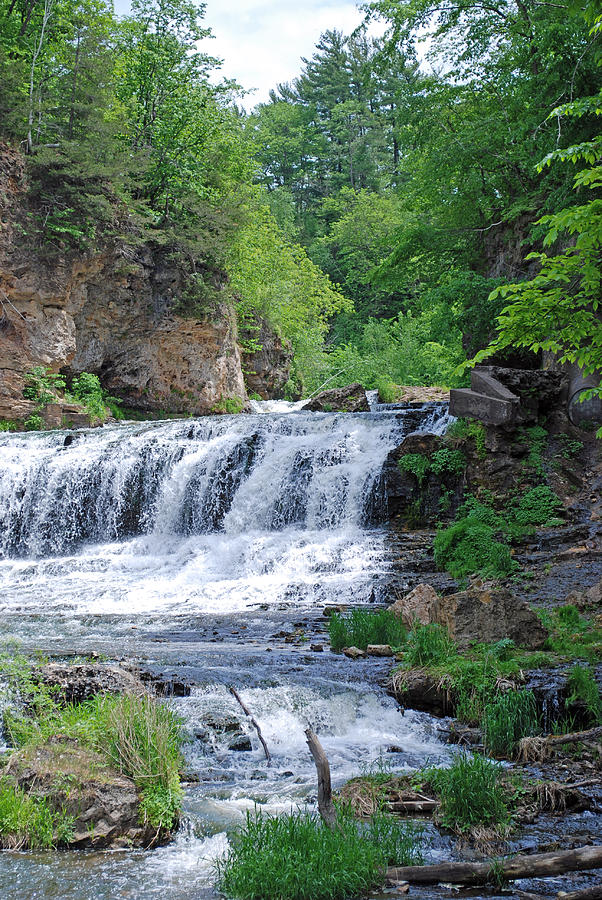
(113, 312)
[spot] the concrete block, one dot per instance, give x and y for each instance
(484, 383)
(490, 410)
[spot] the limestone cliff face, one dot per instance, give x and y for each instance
(113, 312)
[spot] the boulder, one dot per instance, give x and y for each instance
(104, 805)
(353, 652)
(74, 684)
(346, 399)
(421, 604)
(379, 650)
(489, 615)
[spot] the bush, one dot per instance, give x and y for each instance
(468, 547)
(429, 645)
(416, 464)
(441, 461)
(365, 627)
(471, 792)
(507, 719)
(297, 857)
(87, 390)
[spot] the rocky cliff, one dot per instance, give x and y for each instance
(114, 311)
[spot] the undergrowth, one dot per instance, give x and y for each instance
(364, 627)
(138, 737)
(471, 792)
(298, 857)
(507, 719)
(30, 822)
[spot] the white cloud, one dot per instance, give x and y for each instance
(262, 43)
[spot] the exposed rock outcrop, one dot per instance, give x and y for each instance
(77, 683)
(117, 311)
(421, 605)
(488, 616)
(346, 399)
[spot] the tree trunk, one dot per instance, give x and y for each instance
(325, 804)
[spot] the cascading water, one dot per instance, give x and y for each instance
(190, 545)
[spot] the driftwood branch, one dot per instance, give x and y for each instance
(325, 804)
(590, 893)
(536, 865)
(538, 748)
(254, 722)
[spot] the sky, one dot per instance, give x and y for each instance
(262, 41)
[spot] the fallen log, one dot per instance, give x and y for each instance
(326, 807)
(590, 893)
(536, 865)
(414, 806)
(536, 749)
(254, 722)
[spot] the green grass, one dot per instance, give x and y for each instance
(363, 627)
(469, 547)
(572, 635)
(506, 719)
(296, 857)
(583, 689)
(472, 793)
(428, 645)
(29, 822)
(136, 735)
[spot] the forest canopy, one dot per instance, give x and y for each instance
(379, 210)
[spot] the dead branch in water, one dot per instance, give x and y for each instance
(537, 749)
(536, 865)
(254, 723)
(325, 804)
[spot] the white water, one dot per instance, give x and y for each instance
(223, 529)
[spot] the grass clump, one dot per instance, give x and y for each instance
(364, 627)
(469, 547)
(472, 793)
(507, 719)
(297, 857)
(29, 822)
(583, 689)
(572, 636)
(428, 645)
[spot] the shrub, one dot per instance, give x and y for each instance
(428, 645)
(507, 719)
(34, 422)
(468, 547)
(230, 405)
(87, 390)
(297, 857)
(29, 822)
(365, 627)
(41, 385)
(471, 792)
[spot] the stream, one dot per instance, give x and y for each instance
(206, 550)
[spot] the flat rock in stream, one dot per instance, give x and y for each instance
(77, 683)
(104, 805)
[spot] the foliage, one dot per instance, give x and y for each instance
(363, 627)
(583, 688)
(28, 822)
(300, 858)
(417, 464)
(538, 506)
(230, 405)
(440, 462)
(87, 389)
(472, 793)
(42, 385)
(508, 718)
(468, 547)
(138, 736)
(572, 636)
(464, 429)
(427, 645)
